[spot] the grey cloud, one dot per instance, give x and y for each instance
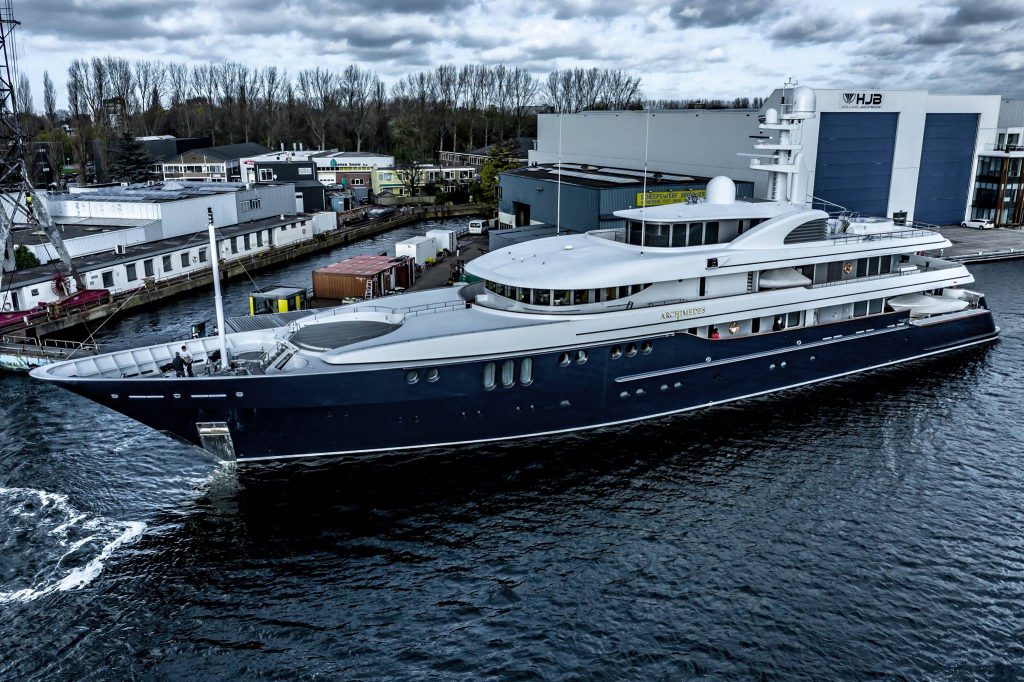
(804, 29)
(718, 13)
(104, 20)
(575, 9)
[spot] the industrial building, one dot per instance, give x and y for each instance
(210, 164)
(999, 177)
(583, 197)
(878, 152)
(113, 218)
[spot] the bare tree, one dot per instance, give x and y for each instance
(320, 91)
(357, 90)
(49, 99)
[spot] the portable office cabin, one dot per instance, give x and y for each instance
(444, 239)
(277, 298)
(417, 248)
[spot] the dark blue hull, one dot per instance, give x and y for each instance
(353, 412)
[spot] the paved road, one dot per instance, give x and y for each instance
(971, 244)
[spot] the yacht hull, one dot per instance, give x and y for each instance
(357, 412)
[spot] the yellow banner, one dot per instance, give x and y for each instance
(673, 197)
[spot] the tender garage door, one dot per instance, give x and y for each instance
(945, 175)
(854, 167)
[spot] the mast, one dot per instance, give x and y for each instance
(218, 302)
(20, 204)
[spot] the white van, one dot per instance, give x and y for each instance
(477, 226)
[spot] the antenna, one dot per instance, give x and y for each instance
(558, 192)
(643, 209)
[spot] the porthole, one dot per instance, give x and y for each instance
(526, 371)
(664, 387)
(616, 352)
(564, 359)
(812, 358)
(646, 347)
(678, 384)
(782, 364)
(631, 350)
(489, 373)
(641, 392)
(581, 357)
(433, 374)
(508, 373)
(772, 366)
(624, 394)
(412, 376)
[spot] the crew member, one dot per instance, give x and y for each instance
(187, 359)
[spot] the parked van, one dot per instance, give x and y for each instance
(477, 226)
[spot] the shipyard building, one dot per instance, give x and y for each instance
(877, 152)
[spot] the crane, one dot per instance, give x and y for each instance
(19, 202)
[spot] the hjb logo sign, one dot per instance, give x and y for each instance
(862, 99)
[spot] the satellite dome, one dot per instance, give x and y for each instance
(721, 190)
(804, 100)
(771, 115)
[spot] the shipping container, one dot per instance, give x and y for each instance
(349, 278)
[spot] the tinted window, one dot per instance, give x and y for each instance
(711, 233)
(694, 234)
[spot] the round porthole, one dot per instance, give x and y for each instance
(624, 394)
(433, 374)
(412, 376)
(616, 352)
(646, 347)
(631, 350)
(581, 357)
(564, 359)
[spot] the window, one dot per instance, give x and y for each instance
(542, 297)
(875, 306)
(433, 374)
(646, 347)
(679, 234)
(526, 371)
(266, 175)
(168, 266)
(357, 181)
(564, 359)
(108, 278)
(248, 243)
(130, 270)
(793, 319)
(412, 376)
(755, 325)
(631, 350)
(616, 352)
(860, 308)
(489, 370)
(694, 233)
(581, 296)
(508, 373)
(202, 255)
(259, 238)
(581, 357)
(184, 260)
(562, 297)
(702, 287)
(33, 292)
(711, 233)
(147, 267)
(234, 244)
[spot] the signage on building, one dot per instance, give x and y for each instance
(305, 171)
(861, 100)
(249, 162)
(672, 197)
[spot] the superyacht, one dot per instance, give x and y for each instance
(686, 306)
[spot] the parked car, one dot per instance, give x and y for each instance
(978, 223)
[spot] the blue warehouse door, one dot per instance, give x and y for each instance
(945, 175)
(854, 167)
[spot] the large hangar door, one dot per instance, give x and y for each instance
(945, 175)
(854, 167)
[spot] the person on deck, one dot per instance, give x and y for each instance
(714, 333)
(187, 359)
(179, 365)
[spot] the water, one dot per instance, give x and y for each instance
(871, 527)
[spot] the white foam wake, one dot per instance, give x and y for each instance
(56, 546)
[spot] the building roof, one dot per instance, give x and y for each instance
(524, 145)
(70, 230)
(152, 249)
(362, 266)
(154, 193)
(602, 176)
(228, 152)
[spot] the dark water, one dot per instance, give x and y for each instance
(873, 527)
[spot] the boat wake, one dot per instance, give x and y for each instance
(50, 546)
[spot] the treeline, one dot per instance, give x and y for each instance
(737, 103)
(450, 107)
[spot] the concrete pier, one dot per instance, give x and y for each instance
(977, 246)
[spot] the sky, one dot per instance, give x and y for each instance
(680, 48)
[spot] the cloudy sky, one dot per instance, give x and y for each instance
(680, 48)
